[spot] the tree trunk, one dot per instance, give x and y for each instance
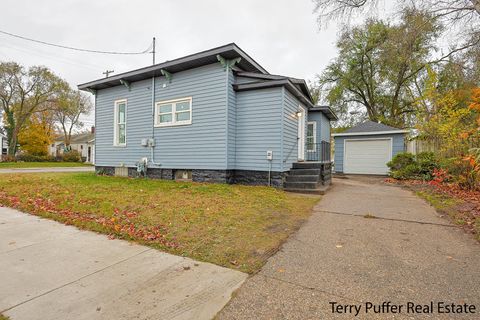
(10, 130)
(12, 143)
(476, 5)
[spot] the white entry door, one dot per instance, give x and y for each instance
(301, 134)
(367, 156)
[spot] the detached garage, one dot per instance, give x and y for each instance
(367, 147)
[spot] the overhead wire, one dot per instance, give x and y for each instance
(75, 48)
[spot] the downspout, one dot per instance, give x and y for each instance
(281, 130)
(152, 142)
(152, 146)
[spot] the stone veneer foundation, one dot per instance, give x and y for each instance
(248, 177)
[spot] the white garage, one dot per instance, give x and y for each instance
(367, 156)
(367, 147)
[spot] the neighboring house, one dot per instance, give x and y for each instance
(216, 116)
(84, 143)
(367, 147)
(3, 145)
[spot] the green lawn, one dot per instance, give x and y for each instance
(230, 225)
(8, 165)
(2, 317)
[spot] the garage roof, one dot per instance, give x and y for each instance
(370, 128)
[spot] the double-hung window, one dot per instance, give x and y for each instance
(173, 112)
(120, 128)
(311, 135)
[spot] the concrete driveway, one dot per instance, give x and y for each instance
(47, 169)
(52, 271)
(406, 254)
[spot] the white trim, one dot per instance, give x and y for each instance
(364, 139)
(301, 124)
(369, 133)
(173, 102)
(314, 134)
(115, 123)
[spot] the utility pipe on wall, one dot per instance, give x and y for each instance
(152, 158)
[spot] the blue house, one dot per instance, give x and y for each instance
(367, 147)
(215, 115)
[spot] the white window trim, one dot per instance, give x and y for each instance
(314, 134)
(174, 106)
(115, 123)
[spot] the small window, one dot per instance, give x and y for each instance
(173, 112)
(311, 136)
(120, 130)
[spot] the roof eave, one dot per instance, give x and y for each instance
(154, 70)
(301, 82)
(274, 83)
(327, 111)
(369, 133)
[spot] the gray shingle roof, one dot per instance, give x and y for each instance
(370, 126)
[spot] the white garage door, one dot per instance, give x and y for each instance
(369, 156)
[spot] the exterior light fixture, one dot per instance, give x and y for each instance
(298, 114)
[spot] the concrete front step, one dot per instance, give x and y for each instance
(304, 172)
(307, 165)
(303, 178)
(301, 185)
(320, 190)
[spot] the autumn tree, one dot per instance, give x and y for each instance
(37, 134)
(446, 118)
(462, 16)
(69, 107)
(377, 65)
(24, 92)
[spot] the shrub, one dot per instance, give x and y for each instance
(407, 166)
(34, 158)
(72, 156)
(8, 158)
(400, 161)
(427, 163)
(469, 177)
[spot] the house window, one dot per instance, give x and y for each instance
(173, 112)
(120, 129)
(311, 135)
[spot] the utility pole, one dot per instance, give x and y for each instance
(153, 51)
(107, 72)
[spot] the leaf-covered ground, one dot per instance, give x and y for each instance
(230, 225)
(461, 206)
(8, 165)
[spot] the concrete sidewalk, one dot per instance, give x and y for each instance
(52, 169)
(52, 271)
(407, 253)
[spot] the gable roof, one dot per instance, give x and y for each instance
(370, 128)
(229, 51)
(79, 138)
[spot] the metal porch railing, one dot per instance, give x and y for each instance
(319, 152)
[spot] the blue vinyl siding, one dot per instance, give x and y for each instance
(201, 145)
(231, 121)
(397, 146)
(323, 126)
(258, 129)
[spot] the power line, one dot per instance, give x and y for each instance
(73, 48)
